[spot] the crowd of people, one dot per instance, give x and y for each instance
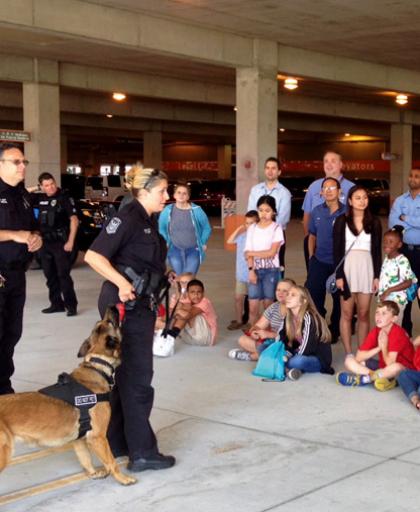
(342, 240)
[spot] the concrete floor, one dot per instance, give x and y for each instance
(241, 444)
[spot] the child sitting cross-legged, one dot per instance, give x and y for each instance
(267, 326)
(387, 341)
(196, 321)
(409, 380)
(305, 335)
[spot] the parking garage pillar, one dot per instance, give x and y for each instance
(152, 149)
(401, 145)
(41, 117)
(256, 119)
(224, 160)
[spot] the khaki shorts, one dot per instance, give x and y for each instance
(241, 288)
(198, 334)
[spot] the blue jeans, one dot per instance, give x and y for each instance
(184, 260)
(267, 279)
(409, 380)
(307, 364)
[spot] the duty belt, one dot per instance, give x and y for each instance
(77, 395)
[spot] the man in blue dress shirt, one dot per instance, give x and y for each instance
(272, 187)
(406, 212)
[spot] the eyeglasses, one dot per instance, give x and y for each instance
(16, 161)
(331, 187)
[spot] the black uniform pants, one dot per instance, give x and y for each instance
(12, 301)
(412, 252)
(318, 274)
(56, 264)
(132, 396)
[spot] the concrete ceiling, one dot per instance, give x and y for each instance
(381, 31)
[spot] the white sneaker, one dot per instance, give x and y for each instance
(238, 353)
(293, 374)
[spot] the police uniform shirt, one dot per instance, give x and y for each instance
(131, 239)
(15, 214)
(54, 211)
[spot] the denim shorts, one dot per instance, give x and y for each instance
(267, 279)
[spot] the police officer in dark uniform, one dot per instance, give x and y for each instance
(131, 245)
(18, 239)
(58, 223)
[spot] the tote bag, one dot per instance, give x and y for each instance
(271, 362)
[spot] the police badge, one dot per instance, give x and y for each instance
(113, 225)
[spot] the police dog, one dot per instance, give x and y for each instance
(42, 420)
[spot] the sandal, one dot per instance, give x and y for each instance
(234, 325)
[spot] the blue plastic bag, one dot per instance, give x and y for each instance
(412, 292)
(271, 362)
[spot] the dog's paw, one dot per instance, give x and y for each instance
(99, 473)
(126, 480)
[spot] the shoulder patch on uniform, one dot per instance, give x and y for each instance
(113, 225)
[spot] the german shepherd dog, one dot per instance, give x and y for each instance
(42, 420)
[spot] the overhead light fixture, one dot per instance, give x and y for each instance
(291, 83)
(235, 108)
(401, 99)
(282, 129)
(347, 134)
(109, 116)
(119, 96)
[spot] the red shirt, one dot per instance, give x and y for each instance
(398, 341)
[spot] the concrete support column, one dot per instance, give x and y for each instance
(256, 119)
(152, 149)
(41, 117)
(224, 159)
(63, 153)
(401, 144)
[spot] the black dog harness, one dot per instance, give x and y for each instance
(77, 395)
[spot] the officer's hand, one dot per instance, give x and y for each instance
(126, 292)
(68, 246)
(34, 242)
(21, 237)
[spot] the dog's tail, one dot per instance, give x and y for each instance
(6, 445)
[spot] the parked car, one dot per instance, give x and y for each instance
(104, 188)
(298, 186)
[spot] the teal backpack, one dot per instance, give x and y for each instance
(271, 363)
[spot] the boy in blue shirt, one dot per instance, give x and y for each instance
(238, 237)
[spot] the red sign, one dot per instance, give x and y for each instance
(349, 165)
(202, 165)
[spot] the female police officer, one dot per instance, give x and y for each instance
(131, 241)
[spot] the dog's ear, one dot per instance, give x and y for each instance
(112, 315)
(84, 348)
(112, 342)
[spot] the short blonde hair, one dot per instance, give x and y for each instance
(139, 178)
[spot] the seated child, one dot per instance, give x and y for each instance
(390, 343)
(238, 237)
(268, 326)
(306, 336)
(409, 380)
(197, 321)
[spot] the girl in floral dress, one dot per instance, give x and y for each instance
(396, 273)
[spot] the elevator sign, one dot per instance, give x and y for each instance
(14, 136)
